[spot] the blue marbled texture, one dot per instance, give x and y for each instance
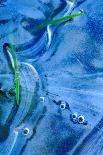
(62, 63)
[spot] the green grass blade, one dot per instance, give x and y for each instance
(17, 83)
(56, 21)
(12, 51)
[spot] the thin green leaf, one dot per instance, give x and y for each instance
(56, 21)
(71, 1)
(12, 53)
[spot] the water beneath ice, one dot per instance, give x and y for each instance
(61, 73)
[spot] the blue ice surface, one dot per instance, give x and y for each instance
(62, 64)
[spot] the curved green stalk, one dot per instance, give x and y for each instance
(56, 21)
(12, 53)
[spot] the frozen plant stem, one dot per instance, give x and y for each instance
(12, 53)
(56, 21)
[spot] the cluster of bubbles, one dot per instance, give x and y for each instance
(74, 117)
